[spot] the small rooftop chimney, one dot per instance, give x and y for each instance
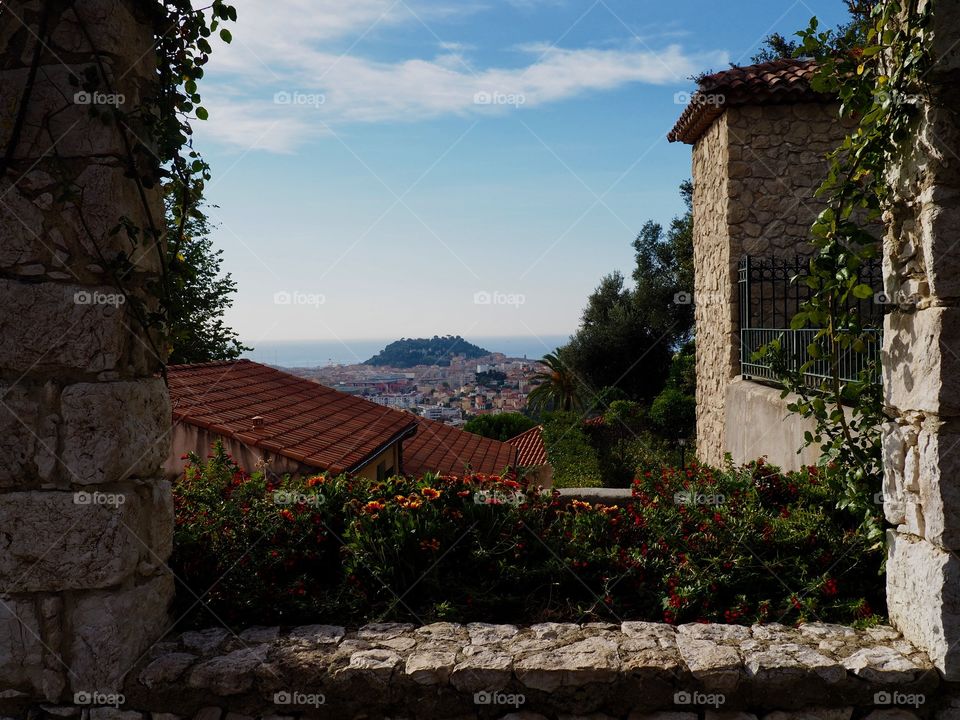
(257, 421)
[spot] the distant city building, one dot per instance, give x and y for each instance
(440, 413)
(405, 401)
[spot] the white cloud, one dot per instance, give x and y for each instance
(283, 47)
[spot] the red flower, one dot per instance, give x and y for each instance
(287, 515)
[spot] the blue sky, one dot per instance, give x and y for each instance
(388, 168)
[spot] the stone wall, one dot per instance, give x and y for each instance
(713, 291)
(596, 671)
(85, 518)
(921, 363)
(755, 171)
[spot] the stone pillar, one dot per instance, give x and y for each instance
(85, 518)
(921, 363)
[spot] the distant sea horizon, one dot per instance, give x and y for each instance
(321, 353)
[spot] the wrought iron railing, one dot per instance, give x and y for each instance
(769, 298)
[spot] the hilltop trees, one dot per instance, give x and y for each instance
(409, 352)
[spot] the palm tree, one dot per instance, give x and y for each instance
(557, 388)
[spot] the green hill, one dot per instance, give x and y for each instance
(406, 353)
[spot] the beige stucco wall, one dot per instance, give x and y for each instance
(758, 424)
(390, 456)
(187, 438)
(755, 171)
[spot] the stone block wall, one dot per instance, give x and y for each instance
(755, 171)
(85, 516)
(921, 362)
(549, 671)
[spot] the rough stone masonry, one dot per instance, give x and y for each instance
(563, 671)
(921, 361)
(85, 520)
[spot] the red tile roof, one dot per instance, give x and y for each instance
(531, 452)
(302, 420)
(769, 83)
(446, 450)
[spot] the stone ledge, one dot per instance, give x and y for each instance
(447, 670)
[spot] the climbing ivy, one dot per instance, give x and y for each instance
(875, 69)
(157, 136)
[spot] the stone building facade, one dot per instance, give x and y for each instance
(760, 137)
(921, 361)
(86, 520)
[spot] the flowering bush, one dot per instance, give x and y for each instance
(733, 546)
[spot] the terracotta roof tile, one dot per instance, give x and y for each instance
(449, 451)
(303, 420)
(531, 452)
(769, 83)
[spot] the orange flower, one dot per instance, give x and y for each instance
(373, 507)
(580, 505)
(432, 545)
(287, 515)
(430, 493)
(316, 480)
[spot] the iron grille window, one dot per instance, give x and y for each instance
(768, 301)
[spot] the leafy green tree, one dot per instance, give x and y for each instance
(627, 336)
(622, 424)
(200, 293)
(776, 46)
(491, 378)
(502, 426)
(673, 413)
(663, 277)
(557, 386)
(616, 347)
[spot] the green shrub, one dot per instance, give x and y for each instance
(573, 459)
(674, 413)
(349, 550)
